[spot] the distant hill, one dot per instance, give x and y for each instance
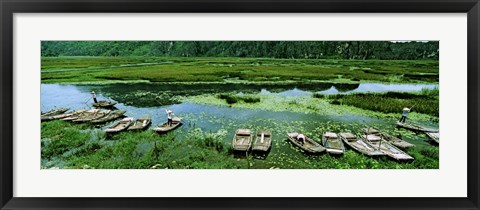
(383, 50)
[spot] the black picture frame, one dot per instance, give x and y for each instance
(10, 7)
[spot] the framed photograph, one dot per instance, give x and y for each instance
(239, 105)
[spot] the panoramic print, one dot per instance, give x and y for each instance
(240, 105)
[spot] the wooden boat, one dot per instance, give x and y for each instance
(55, 111)
(242, 141)
(332, 143)
(64, 115)
(360, 145)
(392, 139)
(50, 114)
(104, 104)
(120, 125)
(109, 117)
(377, 141)
(263, 141)
(176, 122)
(60, 116)
(93, 116)
(310, 145)
(140, 124)
(416, 128)
(434, 136)
(80, 115)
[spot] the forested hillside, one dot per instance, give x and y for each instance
(383, 50)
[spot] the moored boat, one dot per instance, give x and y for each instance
(416, 128)
(55, 111)
(52, 113)
(392, 139)
(310, 145)
(59, 116)
(78, 115)
(332, 143)
(140, 124)
(434, 136)
(263, 141)
(68, 114)
(120, 125)
(242, 141)
(176, 122)
(109, 117)
(359, 145)
(92, 116)
(104, 104)
(377, 141)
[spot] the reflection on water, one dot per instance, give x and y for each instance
(154, 95)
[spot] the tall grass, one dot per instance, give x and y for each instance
(161, 69)
(426, 101)
(231, 99)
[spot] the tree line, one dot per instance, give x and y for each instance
(383, 50)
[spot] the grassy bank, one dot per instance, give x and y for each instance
(66, 145)
(426, 101)
(161, 69)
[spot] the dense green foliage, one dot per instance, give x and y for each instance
(383, 50)
(231, 98)
(426, 102)
(175, 69)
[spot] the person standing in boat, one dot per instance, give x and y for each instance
(405, 112)
(301, 138)
(94, 96)
(170, 115)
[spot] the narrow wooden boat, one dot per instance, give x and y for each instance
(176, 122)
(434, 136)
(416, 128)
(104, 104)
(359, 145)
(60, 116)
(377, 141)
(392, 139)
(140, 124)
(242, 141)
(310, 145)
(93, 116)
(55, 111)
(120, 125)
(109, 117)
(80, 115)
(332, 143)
(68, 114)
(50, 114)
(263, 141)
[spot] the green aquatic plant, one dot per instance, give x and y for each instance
(426, 102)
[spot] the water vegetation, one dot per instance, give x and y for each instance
(231, 98)
(310, 105)
(81, 70)
(426, 101)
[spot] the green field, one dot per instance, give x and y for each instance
(76, 70)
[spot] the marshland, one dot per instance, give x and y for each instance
(215, 94)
